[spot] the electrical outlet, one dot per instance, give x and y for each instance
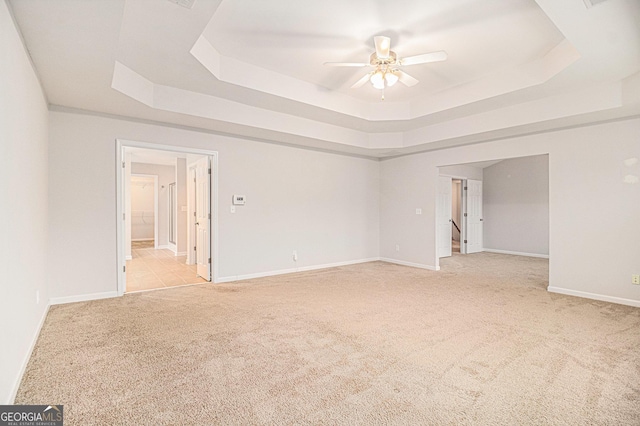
(397, 247)
(295, 255)
(635, 279)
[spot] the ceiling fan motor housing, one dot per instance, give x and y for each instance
(390, 60)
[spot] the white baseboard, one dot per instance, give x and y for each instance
(172, 248)
(516, 253)
(413, 265)
(292, 270)
(594, 296)
(23, 367)
(142, 239)
(82, 297)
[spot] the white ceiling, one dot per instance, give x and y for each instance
(482, 164)
(254, 68)
(300, 36)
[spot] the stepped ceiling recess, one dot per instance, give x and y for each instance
(255, 68)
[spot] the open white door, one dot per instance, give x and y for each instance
(474, 216)
(443, 216)
(203, 219)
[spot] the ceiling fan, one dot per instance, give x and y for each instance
(387, 65)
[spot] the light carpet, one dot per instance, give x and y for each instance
(479, 343)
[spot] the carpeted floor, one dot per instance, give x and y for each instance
(480, 342)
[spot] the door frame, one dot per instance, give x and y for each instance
(155, 206)
(463, 225)
(191, 208)
(438, 216)
(466, 210)
(462, 206)
(121, 144)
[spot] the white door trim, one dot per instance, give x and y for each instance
(463, 218)
(191, 238)
(474, 219)
(463, 222)
(443, 217)
(120, 237)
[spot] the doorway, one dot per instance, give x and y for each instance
(152, 263)
(456, 214)
(144, 211)
(504, 208)
(459, 216)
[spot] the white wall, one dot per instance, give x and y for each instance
(181, 216)
(23, 215)
(142, 208)
(594, 232)
(166, 175)
(516, 205)
(323, 205)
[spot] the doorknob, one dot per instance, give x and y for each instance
(197, 223)
(449, 220)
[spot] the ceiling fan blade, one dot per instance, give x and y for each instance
(362, 81)
(424, 58)
(383, 44)
(406, 79)
(346, 64)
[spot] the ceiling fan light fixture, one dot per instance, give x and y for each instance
(391, 78)
(377, 79)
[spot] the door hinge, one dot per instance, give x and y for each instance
(123, 164)
(465, 241)
(465, 215)
(210, 216)
(480, 220)
(194, 214)
(209, 260)
(124, 269)
(209, 171)
(123, 217)
(194, 248)
(465, 188)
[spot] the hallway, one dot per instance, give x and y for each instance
(151, 269)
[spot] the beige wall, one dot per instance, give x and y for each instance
(23, 215)
(181, 217)
(593, 229)
(516, 205)
(323, 205)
